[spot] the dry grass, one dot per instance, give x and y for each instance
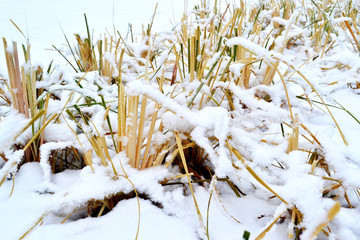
(197, 55)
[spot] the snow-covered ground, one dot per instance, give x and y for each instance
(276, 170)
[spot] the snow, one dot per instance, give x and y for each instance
(238, 195)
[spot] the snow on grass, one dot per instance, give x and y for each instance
(256, 109)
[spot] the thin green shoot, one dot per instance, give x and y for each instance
(65, 58)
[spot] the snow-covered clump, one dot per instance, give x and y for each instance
(241, 119)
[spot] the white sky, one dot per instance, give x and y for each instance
(41, 20)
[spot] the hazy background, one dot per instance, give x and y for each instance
(40, 20)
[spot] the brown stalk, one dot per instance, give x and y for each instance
(140, 132)
(251, 171)
(149, 138)
(263, 233)
(223, 206)
(352, 34)
(160, 154)
(285, 88)
(106, 152)
(38, 222)
(311, 134)
(121, 117)
(45, 108)
(192, 57)
(330, 215)
(12, 63)
(182, 156)
(175, 153)
(131, 129)
(287, 10)
(293, 139)
(88, 159)
(40, 131)
(25, 93)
